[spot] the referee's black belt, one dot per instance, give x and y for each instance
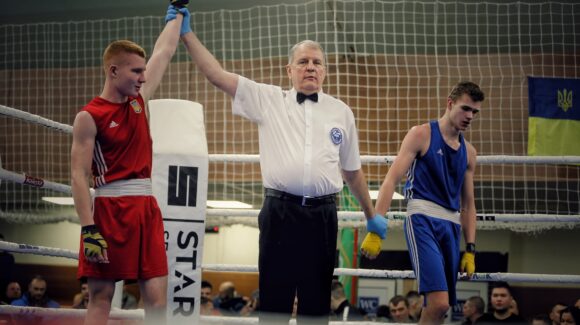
(302, 200)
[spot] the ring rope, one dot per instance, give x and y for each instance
(219, 218)
(227, 217)
(36, 119)
(342, 215)
(348, 220)
(38, 250)
(224, 320)
(34, 181)
(116, 314)
(11, 217)
(388, 274)
(139, 314)
(356, 219)
(492, 159)
(400, 215)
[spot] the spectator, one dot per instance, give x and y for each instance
(542, 319)
(340, 308)
(473, 308)
(577, 304)
(206, 289)
(81, 299)
(12, 293)
(501, 300)
(514, 307)
(383, 314)
(399, 309)
(6, 265)
(36, 295)
(206, 307)
(253, 305)
(128, 301)
(570, 316)
(227, 300)
(555, 312)
(415, 301)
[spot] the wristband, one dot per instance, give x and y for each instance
(470, 247)
(90, 229)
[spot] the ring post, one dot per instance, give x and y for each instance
(180, 177)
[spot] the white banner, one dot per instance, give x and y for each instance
(180, 172)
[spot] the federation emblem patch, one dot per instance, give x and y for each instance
(136, 106)
(336, 135)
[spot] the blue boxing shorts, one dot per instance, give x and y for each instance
(433, 245)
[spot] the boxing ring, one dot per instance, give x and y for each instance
(392, 62)
(222, 217)
(138, 314)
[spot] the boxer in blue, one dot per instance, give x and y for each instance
(440, 165)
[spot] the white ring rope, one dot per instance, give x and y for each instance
(139, 314)
(342, 215)
(367, 159)
(35, 119)
(38, 250)
(33, 181)
(564, 221)
(116, 314)
(356, 218)
(347, 220)
(222, 320)
(18, 218)
(400, 215)
(388, 274)
(492, 159)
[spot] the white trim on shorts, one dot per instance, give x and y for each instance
(126, 187)
(428, 208)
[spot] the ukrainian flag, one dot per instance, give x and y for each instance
(554, 120)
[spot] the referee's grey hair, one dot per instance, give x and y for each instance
(308, 44)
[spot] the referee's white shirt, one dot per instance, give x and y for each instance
(302, 146)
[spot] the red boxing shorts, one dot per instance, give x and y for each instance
(132, 226)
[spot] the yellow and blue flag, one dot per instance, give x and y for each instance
(554, 120)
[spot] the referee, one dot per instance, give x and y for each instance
(308, 144)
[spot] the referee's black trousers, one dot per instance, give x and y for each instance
(297, 257)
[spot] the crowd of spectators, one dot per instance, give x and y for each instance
(502, 307)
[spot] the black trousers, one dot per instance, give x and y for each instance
(297, 257)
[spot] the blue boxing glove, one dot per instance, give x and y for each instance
(378, 225)
(185, 24)
(171, 14)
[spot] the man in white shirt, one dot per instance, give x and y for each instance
(308, 145)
